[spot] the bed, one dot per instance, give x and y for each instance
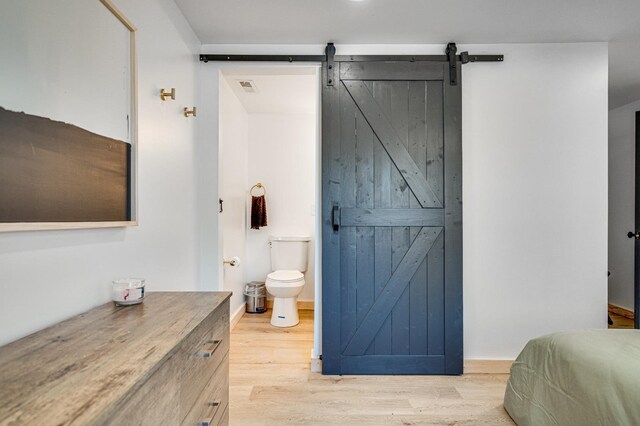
(589, 377)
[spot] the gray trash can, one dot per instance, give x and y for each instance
(255, 294)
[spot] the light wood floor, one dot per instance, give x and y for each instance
(619, 321)
(270, 384)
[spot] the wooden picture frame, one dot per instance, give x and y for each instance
(132, 162)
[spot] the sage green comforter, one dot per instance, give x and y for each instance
(581, 378)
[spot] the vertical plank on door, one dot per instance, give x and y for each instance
(435, 139)
(418, 151)
(418, 318)
(348, 242)
(383, 267)
(398, 111)
(417, 137)
(452, 105)
(435, 296)
(365, 286)
(331, 250)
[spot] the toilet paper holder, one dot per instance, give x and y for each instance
(234, 261)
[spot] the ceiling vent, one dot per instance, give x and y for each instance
(248, 86)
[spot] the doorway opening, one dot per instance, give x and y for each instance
(624, 216)
(269, 144)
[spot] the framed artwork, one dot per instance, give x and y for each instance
(68, 121)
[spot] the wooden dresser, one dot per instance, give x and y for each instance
(164, 362)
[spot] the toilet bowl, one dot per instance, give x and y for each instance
(285, 286)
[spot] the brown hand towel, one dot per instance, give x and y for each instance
(258, 212)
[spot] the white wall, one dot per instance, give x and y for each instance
(282, 156)
(48, 276)
(234, 151)
(622, 151)
(535, 187)
(535, 195)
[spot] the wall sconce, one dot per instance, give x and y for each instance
(164, 94)
(188, 112)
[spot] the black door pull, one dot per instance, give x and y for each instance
(335, 218)
(635, 235)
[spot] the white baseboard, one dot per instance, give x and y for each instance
(316, 364)
(487, 366)
(235, 317)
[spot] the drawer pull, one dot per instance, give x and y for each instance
(216, 406)
(209, 349)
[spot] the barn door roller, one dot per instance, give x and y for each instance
(453, 62)
(330, 58)
(330, 53)
(465, 58)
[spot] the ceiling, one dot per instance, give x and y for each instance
(278, 89)
(425, 22)
(411, 21)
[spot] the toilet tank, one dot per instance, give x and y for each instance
(289, 253)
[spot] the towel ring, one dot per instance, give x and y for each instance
(258, 185)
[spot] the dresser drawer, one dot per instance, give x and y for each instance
(211, 405)
(200, 355)
(190, 378)
(225, 417)
(156, 402)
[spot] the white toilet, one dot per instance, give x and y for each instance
(289, 256)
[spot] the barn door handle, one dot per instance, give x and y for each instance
(335, 218)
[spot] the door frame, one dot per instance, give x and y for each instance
(636, 261)
(219, 71)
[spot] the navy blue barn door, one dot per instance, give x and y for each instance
(392, 219)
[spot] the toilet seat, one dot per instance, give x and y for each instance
(285, 277)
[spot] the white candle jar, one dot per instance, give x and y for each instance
(128, 291)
